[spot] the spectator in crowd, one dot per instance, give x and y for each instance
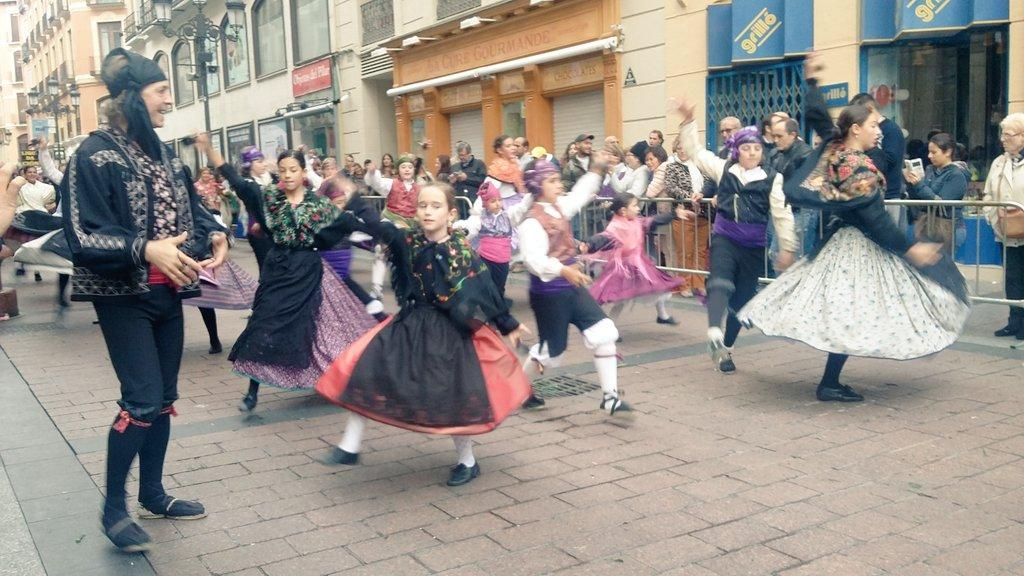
(613, 139)
(387, 166)
(568, 154)
(768, 142)
(726, 127)
(1005, 182)
(690, 238)
(656, 138)
(423, 176)
(887, 156)
(210, 191)
(442, 167)
(467, 176)
(791, 153)
(37, 197)
(541, 153)
(944, 179)
(656, 161)
(638, 176)
(523, 151)
(579, 163)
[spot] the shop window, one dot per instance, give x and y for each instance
(446, 8)
(315, 131)
(378, 20)
(955, 85)
(513, 118)
(310, 17)
(181, 59)
(419, 130)
(268, 36)
(235, 56)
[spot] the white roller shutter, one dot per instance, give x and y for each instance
(469, 127)
(580, 113)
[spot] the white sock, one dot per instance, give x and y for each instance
(377, 271)
(374, 307)
(608, 373)
(716, 335)
(464, 450)
(662, 305)
(353, 437)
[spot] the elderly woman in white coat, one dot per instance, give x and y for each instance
(1005, 182)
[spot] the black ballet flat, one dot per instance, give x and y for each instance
(248, 403)
(339, 456)
(1006, 331)
(533, 401)
(462, 474)
(669, 321)
(839, 393)
(215, 348)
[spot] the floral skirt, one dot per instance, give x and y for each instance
(858, 299)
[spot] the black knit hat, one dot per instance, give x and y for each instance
(138, 73)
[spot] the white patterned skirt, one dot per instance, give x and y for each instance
(858, 299)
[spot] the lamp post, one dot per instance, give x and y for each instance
(53, 106)
(204, 35)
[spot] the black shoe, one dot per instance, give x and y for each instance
(838, 393)
(339, 456)
(1008, 330)
(462, 475)
(38, 277)
(127, 535)
(248, 402)
(63, 301)
(725, 363)
(168, 506)
(612, 404)
(19, 272)
(215, 348)
(533, 401)
(670, 321)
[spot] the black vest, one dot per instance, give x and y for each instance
(748, 204)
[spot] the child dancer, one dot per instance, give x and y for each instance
(557, 294)
(432, 368)
(400, 208)
(749, 194)
(492, 231)
(302, 317)
(866, 291)
(629, 272)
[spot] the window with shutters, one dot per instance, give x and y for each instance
(378, 20)
(446, 8)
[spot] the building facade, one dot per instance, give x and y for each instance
(954, 66)
(63, 42)
(13, 103)
(270, 82)
(450, 70)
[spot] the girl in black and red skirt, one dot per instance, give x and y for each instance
(436, 366)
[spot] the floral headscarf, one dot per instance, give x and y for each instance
(844, 174)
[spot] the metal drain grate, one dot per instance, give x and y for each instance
(563, 386)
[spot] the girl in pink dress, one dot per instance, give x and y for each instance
(629, 273)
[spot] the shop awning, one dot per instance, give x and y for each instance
(887, 20)
(544, 57)
(758, 31)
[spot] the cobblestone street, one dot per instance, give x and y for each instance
(727, 475)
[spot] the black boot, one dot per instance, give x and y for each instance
(251, 398)
(124, 441)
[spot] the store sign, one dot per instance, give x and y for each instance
(884, 20)
(572, 74)
(501, 44)
(460, 95)
(311, 78)
(43, 127)
(29, 157)
(758, 30)
(273, 137)
(835, 95)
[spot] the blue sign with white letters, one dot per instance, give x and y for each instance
(836, 95)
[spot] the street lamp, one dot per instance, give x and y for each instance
(204, 35)
(55, 108)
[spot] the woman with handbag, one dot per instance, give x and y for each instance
(1005, 183)
(944, 179)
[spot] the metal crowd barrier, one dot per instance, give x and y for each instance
(662, 249)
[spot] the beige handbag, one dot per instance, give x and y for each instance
(1009, 221)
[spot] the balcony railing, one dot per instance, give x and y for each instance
(137, 22)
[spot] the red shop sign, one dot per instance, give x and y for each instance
(311, 77)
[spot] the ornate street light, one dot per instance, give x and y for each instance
(52, 87)
(204, 35)
(33, 98)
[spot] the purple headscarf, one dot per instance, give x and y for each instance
(534, 178)
(748, 135)
(250, 154)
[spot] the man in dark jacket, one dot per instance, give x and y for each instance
(790, 156)
(139, 236)
(467, 176)
(888, 156)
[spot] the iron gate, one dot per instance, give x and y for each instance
(751, 94)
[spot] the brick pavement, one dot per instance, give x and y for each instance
(745, 474)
